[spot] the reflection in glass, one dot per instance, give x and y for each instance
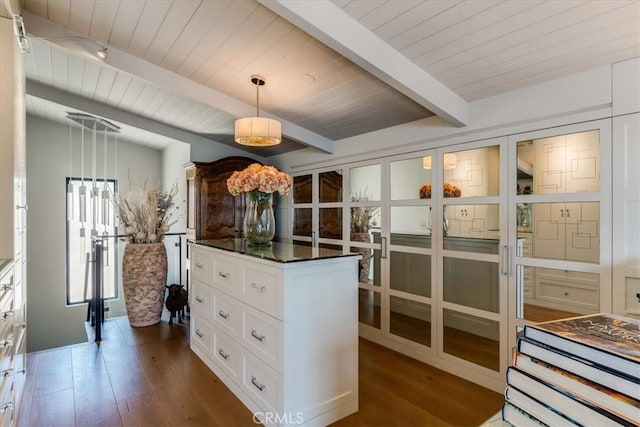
(363, 219)
(365, 183)
(302, 222)
(407, 176)
(472, 338)
(475, 172)
(411, 226)
(301, 243)
(551, 294)
(330, 246)
(369, 308)
(568, 231)
(410, 320)
(331, 223)
(411, 273)
(302, 189)
(368, 268)
(473, 221)
(560, 164)
(471, 283)
(330, 186)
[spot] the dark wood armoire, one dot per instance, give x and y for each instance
(212, 212)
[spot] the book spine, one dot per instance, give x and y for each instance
(570, 405)
(586, 369)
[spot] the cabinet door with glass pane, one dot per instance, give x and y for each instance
(563, 255)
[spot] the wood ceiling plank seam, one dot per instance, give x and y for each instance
(59, 68)
(214, 120)
(199, 25)
(75, 72)
(477, 47)
(42, 53)
(539, 68)
(359, 9)
(143, 99)
(125, 23)
(590, 62)
(457, 15)
(412, 18)
(188, 115)
(106, 80)
(131, 94)
(167, 106)
(147, 27)
(37, 6)
(387, 12)
(157, 101)
(78, 13)
(120, 85)
(234, 24)
(170, 29)
(102, 22)
(90, 79)
(196, 118)
(117, 12)
(544, 52)
(467, 30)
(271, 33)
(505, 55)
(180, 110)
(57, 11)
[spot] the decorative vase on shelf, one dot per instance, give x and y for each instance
(144, 277)
(259, 224)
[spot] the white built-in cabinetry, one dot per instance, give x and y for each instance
(12, 225)
(283, 336)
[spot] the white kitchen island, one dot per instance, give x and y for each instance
(279, 326)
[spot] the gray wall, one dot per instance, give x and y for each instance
(49, 321)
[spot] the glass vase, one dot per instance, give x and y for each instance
(259, 224)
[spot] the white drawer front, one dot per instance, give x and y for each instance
(227, 315)
(202, 265)
(201, 333)
(262, 335)
(262, 290)
(262, 383)
(202, 300)
(227, 275)
(228, 354)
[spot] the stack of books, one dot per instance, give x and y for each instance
(581, 371)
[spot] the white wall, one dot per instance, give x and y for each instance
(50, 323)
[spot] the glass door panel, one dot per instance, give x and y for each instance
(302, 189)
(472, 338)
(471, 283)
(302, 224)
(408, 176)
(330, 186)
(365, 183)
(410, 320)
(472, 222)
(410, 273)
(369, 308)
(330, 226)
(472, 173)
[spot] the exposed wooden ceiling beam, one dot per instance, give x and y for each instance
(122, 61)
(331, 25)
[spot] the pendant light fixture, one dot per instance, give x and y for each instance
(258, 131)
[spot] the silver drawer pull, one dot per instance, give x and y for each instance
(198, 265)
(223, 354)
(7, 343)
(256, 336)
(6, 373)
(200, 334)
(223, 314)
(255, 382)
(6, 407)
(200, 300)
(7, 287)
(258, 288)
(223, 274)
(7, 314)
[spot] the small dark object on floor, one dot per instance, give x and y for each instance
(176, 301)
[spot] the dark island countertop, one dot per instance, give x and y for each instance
(277, 252)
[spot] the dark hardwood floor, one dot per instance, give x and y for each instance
(150, 377)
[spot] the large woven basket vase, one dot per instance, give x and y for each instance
(144, 278)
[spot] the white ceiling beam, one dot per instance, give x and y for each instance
(124, 62)
(108, 112)
(331, 25)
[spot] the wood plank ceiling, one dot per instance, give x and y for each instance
(476, 48)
